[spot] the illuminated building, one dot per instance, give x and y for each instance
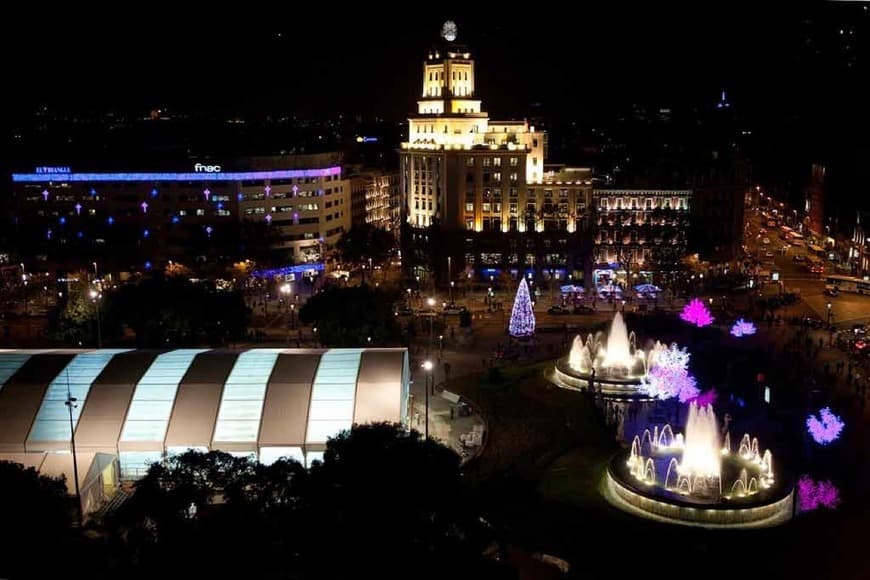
(640, 232)
(814, 201)
(133, 407)
(482, 183)
(296, 206)
(375, 199)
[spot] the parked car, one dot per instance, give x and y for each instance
(557, 310)
(832, 291)
(799, 258)
(583, 309)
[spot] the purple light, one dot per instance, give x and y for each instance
(110, 220)
(267, 189)
(696, 313)
(45, 194)
(208, 230)
(743, 328)
(206, 192)
(813, 495)
(268, 218)
(78, 207)
(296, 218)
(295, 189)
(175, 219)
(240, 196)
(706, 398)
(144, 206)
(669, 376)
(146, 233)
(220, 205)
(48, 234)
(152, 177)
(826, 427)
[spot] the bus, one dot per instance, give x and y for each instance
(847, 284)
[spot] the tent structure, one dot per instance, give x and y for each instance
(132, 407)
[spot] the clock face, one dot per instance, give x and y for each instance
(448, 31)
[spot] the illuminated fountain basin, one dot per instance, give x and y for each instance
(696, 479)
(618, 364)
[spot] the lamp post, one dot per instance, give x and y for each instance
(96, 296)
(71, 403)
(829, 305)
(427, 366)
(431, 303)
(451, 291)
(450, 275)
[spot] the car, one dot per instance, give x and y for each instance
(799, 258)
(768, 255)
(583, 309)
(765, 241)
(557, 310)
(404, 310)
(832, 291)
(454, 309)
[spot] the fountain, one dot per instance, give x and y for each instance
(612, 361)
(695, 479)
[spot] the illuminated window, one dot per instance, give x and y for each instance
(269, 455)
(514, 161)
(496, 177)
(244, 391)
(487, 207)
(148, 416)
(52, 422)
(469, 161)
(9, 365)
(496, 206)
(497, 161)
(469, 207)
(487, 161)
(333, 394)
(513, 177)
(469, 224)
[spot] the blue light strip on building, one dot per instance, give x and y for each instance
(150, 177)
(286, 270)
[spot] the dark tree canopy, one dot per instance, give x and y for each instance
(349, 317)
(364, 242)
(167, 312)
(382, 502)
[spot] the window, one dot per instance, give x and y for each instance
(513, 208)
(496, 206)
(469, 207)
(487, 161)
(469, 161)
(333, 394)
(512, 192)
(242, 401)
(487, 207)
(497, 161)
(513, 177)
(200, 212)
(496, 177)
(514, 161)
(563, 193)
(469, 224)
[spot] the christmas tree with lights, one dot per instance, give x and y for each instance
(522, 316)
(695, 312)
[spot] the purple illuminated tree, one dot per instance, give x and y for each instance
(522, 316)
(743, 328)
(696, 313)
(813, 495)
(826, 427)
(669, 376)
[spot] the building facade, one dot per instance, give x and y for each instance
(641, 234)
(375, 199)
(476, 190)
(294, 207)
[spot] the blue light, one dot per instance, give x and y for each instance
(147, 265)
(240, 196)
(154, 192)
(110, 220)
(220, 205)
(285, 270)
(237, 176)
(80, 235)
(175, 219)
(93, 191)
(146, 233)
(62, 220)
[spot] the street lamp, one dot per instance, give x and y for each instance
(427, 366)
(71, 403)
(95, 296)
(452, 283)
(829, 305)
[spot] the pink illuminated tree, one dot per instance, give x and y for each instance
(813, 495)
(826, 427)
(669, 376)
(696, 313)
(743, 328)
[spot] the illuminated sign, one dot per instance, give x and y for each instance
(191, 176)
(200, 168)
(363, 139)
(50, 169)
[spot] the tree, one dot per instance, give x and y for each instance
(36, 516)
(669, 376)
(522, 321)
(74, 320)
(695, 312)
(353, 317)
(165, 312)
(365, 242)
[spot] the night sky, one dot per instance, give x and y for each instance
(581, 62)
